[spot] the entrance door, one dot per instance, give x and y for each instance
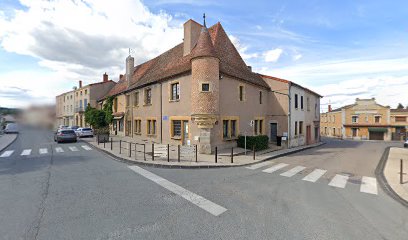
(274, 132)
(376, 136)
(185, 133)
(128, 128)
(308, 135)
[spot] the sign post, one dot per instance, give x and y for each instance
(251, 124)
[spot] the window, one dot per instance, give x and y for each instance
(85, 103)
(138, 126)
(241, 93)
(136, 99)
(229, 128)
(296, 128)
(86, 91)
(301, 102)
(296, 101)
(258, 127)
(354, 132)
(334, 131)
(151, 127)
(81, 93)
(308, 103)
(354, 119)
(175, 91)
(115, 105)
(400, 119)
(300, 127)
(80, 103)
(377, 119)
(205, 87)
(176, 126)
(148, 96)
(127, 100)
(260, 97)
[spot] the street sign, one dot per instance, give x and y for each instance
(251, 123)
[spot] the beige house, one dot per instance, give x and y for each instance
(202, 92)
(70, 106)
(399, 123)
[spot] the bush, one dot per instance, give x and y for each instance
(260, 142)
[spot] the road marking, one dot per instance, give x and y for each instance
(275, 168)
(201, 202)
(315, 175)
(26, 152)
(86, 147)
(293, 171)
(339, 181)
(7, 153)
(43, 150)
(259, 165)
(74, 149)
(59, 149)
(369, 185)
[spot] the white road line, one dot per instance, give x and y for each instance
(293, 171)
(86, 147)
(59, 150)
(43, 151)
(259, 165)
(369, 185)
(315, 175)
(201, 202)
(339, 181)
(26, 152)
(74, 149)
(275, 168)
(7, 153)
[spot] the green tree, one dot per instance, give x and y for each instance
(400, 106)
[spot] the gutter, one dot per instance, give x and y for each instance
(161, 112)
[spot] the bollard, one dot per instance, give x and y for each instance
(232, 155)
(195, 152)
(152, 151)
(130, 149)
(111, 144)
(144, 152)
(401, 173)
(168, 153)
(216, 154)
(178, 153)
(104, 143)
(97, 139)
(120, 146)
(135, 151)
(254, 151)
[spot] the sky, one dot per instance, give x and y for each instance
(341, 49)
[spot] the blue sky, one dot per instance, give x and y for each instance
(341, 49)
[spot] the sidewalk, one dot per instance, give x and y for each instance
(188, 157)
(392, 171)
(6, 140)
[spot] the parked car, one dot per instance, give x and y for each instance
(84, 132)
(65, 135)
(62, 127)
(11, 128)
(73, 127)
(406, 144)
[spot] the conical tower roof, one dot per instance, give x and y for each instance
(204, 46)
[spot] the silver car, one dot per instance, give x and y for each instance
(65, 135)
(84, 132)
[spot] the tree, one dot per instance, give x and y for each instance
(400, 106)
(100, 119)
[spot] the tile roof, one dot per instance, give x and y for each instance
(204, 46)
(172, 63)
(287, 81)
(399, 110)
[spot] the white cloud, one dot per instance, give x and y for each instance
(273, 55)
(297, 57)
(242, 49)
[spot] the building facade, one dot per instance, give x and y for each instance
(399, 123)
(202, 92)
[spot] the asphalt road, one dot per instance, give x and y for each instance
(84, 194)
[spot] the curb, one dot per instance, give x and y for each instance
(12, 141)
(379, 173)
(159, 165)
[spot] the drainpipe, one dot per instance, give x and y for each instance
(289, 115)
(161, 113)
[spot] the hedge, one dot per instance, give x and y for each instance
(260, 142)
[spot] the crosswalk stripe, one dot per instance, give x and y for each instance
(315, 175)
(275, 168)
(369, 185)
(26, 152)
(43, 150)
(74, 149)
(339, 181)
(86, 147)
(59, 149)
(293, 171)
(7, 153)
(259, 165)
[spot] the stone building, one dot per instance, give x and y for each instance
(399, 122)
(199, 92)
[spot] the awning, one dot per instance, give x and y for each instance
(377, 129)
(117, 117)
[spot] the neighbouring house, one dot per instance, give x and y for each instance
(70, 106)
(202, 92)
(365, 120)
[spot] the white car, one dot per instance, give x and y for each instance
(11, 128)
(84, 132)
(406, 144)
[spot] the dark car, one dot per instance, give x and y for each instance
(65, 135)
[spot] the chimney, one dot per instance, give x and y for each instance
(330, 108)
(130, 64)
(105, 77)
(80, 84)
(192, 31)
(120, 76)
(250, 68)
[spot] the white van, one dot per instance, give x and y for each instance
(11, 128)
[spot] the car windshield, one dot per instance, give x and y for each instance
(87, 129)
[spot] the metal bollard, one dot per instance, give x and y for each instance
(120, 146)
(232, 155)
(401, 172)
(104, 143)
(144, 152)
(135, 151)
(111, 144)
(130, 149)
(216, 154)
(152, 151)
(178, 153)
(168, 153)
(254, 151)
(196, 153)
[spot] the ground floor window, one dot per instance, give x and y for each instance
(176, 128)
(120, 125)
(296, 128)
(151, 127)
(138, 126)
(354, 132)
(300, 127)
(258, 127)
(229, 128)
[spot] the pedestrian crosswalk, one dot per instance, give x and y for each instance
(44, 151)
(368, 184)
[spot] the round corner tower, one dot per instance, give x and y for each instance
(205, 96)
